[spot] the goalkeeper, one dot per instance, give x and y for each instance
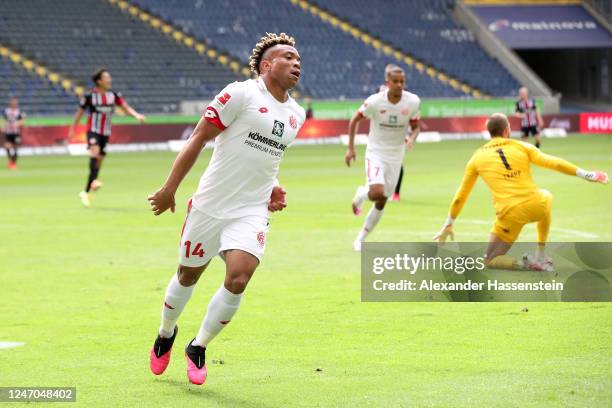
(504, 166)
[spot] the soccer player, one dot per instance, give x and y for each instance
(12, 121)
(531, 120)
(252, 123)
(100, 103)
(391, 112)
(504, 165)
(398, 187)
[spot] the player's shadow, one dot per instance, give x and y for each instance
(210, 394)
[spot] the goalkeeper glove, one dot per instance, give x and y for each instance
(445, 232)
(593, 176)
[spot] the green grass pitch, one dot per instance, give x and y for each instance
(83, 289)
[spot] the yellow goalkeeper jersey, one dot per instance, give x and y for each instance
(504, 165)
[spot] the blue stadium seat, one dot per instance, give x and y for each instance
(426, 29)
(36, 95)
(75, 37)
(335, 64)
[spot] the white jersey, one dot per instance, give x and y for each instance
(257, 129)
(389, 123)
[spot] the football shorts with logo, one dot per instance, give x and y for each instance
(205, 236)
(508, 226)
(379, 171)
(97, 139)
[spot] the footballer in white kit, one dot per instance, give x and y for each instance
(391, 113)
(252, 123)
(230, 208)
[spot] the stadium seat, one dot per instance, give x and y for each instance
(336, 65)
(36, 95)
(426, 29)
(74, 37)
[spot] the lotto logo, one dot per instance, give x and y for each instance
(224, 98)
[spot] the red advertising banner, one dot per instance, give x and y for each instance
(465, 124)
(599, 122)
(312, 129)
(58, 135)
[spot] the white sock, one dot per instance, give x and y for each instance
(222, 307)
(370, 222)
(362, 192)
(540, 254)
(176, 298)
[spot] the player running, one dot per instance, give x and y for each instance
(396, 193)
(390, 111)
(12, 122)
(100, 103)
(531, 120)
(503, 164)
(253, 122)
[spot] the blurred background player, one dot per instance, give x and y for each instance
(253, 122)
(396, 193)
(390, 112)
(531, 120)
(12, 121)
(504, 165)
(100, 103)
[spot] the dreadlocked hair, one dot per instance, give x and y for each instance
(267, 41)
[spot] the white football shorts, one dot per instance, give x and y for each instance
(379, 171)
(204, 236)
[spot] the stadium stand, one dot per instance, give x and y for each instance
(425, 29)
(156, 70)
(603, 6)
(336, 65)
(77, 36)
(36, 95)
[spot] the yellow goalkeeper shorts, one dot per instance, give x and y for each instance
(509, 226)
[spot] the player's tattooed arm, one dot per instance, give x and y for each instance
(163, 198)
(350, 152)
(540, 120)
(130, 111)
(77, 118)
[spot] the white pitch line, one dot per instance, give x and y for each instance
(577, 233)
(66, 227)
(10, 344)
(580, 234)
